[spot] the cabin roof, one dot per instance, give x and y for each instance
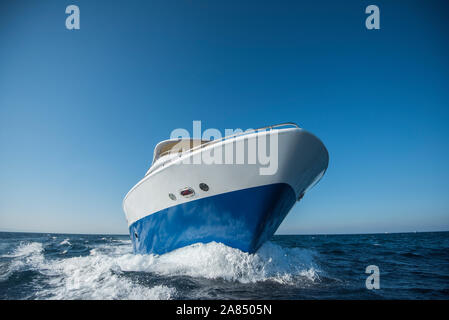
(166, 147)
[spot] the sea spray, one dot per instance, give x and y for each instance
(38, 266)
(217, 261)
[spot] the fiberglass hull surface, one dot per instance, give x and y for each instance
(242, 219)
(241, 209)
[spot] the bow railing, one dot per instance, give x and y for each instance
(231, 136)
(249, 131)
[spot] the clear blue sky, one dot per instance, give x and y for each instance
(81, 111)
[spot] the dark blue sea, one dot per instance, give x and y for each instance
(67, 266)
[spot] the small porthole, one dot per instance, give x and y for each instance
(204, 187)
(172, 196)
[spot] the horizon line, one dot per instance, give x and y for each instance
(283, 234)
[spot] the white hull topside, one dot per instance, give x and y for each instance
(302, 161)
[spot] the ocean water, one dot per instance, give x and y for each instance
(58, 266)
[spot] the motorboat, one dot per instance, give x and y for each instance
(223, 190)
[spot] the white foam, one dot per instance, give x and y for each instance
(102, 274)
(24, 256)
(215, 260)
(26, 249)
(65, 241)
(121, 241)
(96, 276)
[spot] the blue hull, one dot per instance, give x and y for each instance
(242, 219)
